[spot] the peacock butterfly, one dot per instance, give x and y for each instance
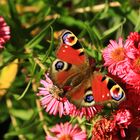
(72, 72)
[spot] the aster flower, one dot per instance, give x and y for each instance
(52, 103)
(123, 119)
(4, 32)
(115, 57)
(116, 127)
(133, 55)
(87, 112)
(135, 37)
(132, 103)
(66, 132)
(132, 80)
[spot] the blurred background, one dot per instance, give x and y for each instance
(35, 27)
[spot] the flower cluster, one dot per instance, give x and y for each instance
(123, 60)
(4, 32)
(66, 132)
(116, 127)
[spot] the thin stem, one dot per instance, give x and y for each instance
(39, 63)
(41, 116)
(13, 119)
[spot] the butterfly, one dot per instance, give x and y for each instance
(72, 72)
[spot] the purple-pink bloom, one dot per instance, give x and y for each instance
(88, 112)
(123, 119)
(115, 57)
(50, 100)
(4, 32)
(132, 78)
(66, 132)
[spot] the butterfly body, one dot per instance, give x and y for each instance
(74, 74)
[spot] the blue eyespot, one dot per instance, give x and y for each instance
(117, 94)
(89, 98)
(64, 37)
(117, 97)
(59, 65)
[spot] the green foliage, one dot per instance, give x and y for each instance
(33, 25)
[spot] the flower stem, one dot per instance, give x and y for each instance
(41, 116)
(13, 119)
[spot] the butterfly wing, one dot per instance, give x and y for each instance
(82, 94)
(96, 89)
(62, 72)
(106, 89)
(71, 60)
(70, 50)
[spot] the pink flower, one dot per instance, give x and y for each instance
(115, 57)
(133, 55)
(123, 119)
(66, 132)
(132, 80)
(52, 103)
(132, 103)
(87, 112)
(4, 32)
(135, 37)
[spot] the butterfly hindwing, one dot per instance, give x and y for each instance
(82, 94)
(106, 89)
(97, 89)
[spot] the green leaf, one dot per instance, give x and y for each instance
(137, 27)
(22, 114)
(133, 17)
(28, 85)
(49, 51)
(13, 11)
(39, 36)
(113, 29)
(94, 36)
(70, 21)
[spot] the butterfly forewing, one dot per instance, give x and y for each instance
(70, 61)
(70, 49)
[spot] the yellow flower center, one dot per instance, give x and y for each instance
(65, 137)
(118, 54)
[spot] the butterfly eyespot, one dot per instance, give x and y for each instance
(59, 65)
(69, 38)
(89, 98)
(117, 93)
